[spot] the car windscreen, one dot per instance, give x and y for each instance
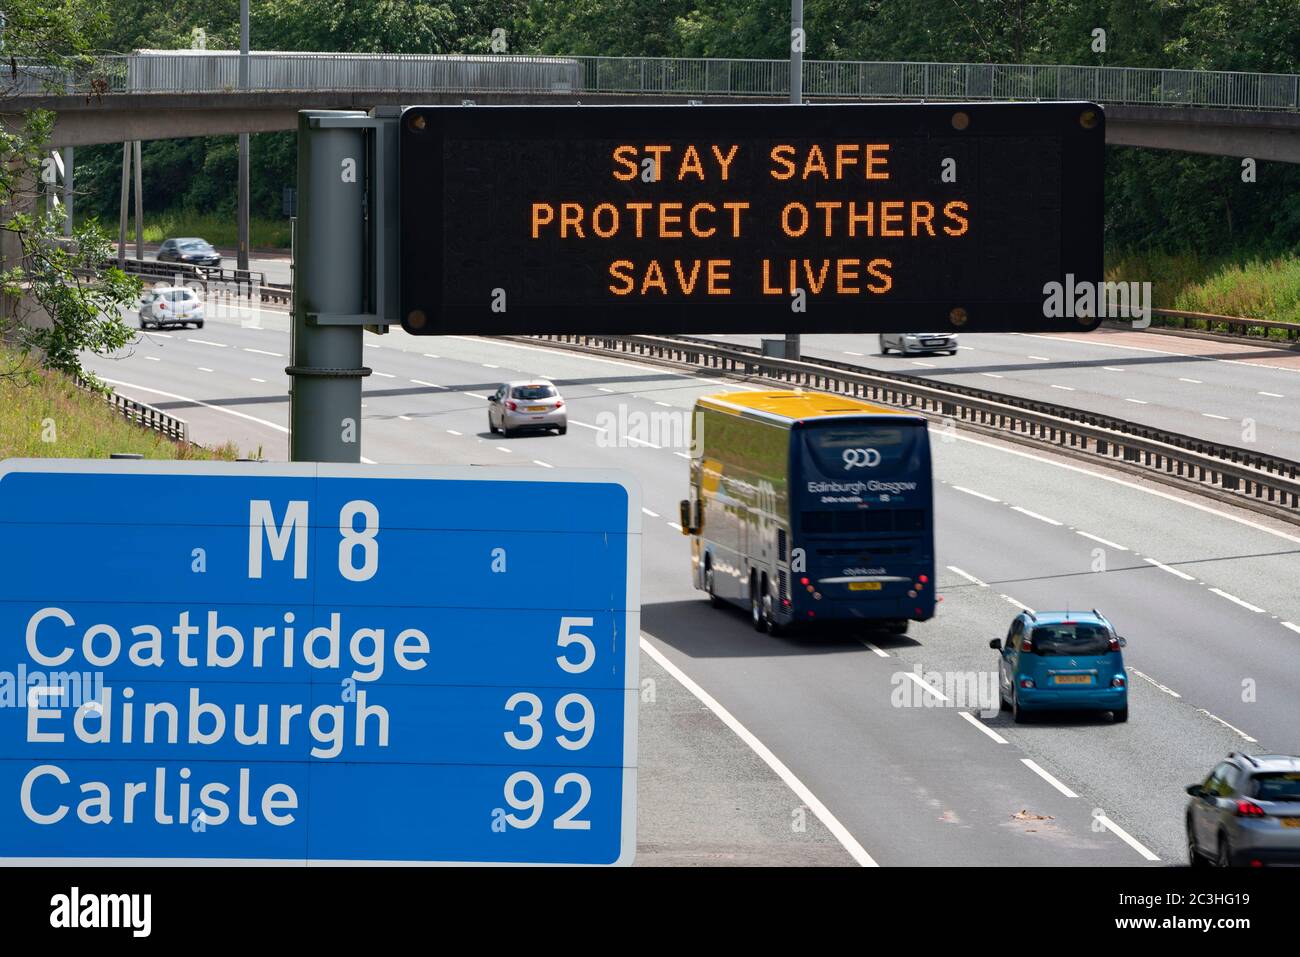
(532, 392)
(1283, 786)
(1071, 638)
(862, 450)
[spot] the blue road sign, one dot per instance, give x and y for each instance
(317, 663)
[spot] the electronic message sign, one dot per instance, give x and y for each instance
(317, 663)
(815, 218)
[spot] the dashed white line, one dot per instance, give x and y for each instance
(1147, 678)
(666, 405)
(1233, 728)
(1294, 627)
(383, 375)
(983, 727)
(601, 388)
(586, 425)
(475, 395)
(1039, 358)
(682, 455)
(1064, 388)
(849, 842)
(926, 685)
(1173, 571)
(263, 352)
(927, 365)
(454, 432)
(153, 358)
(1125, 836)
(636, 441)
(1272, 395)
(874, 649)
(255, 379)
(203, 369)
(1192, 381)
(208, 342)
(1137, 401)
(405, 418)
(502, 448)
(968, 576)
(1237, 601)
(1041, 518)
(971, 491)
(1112, 369)
(431, 385)
(430, 355)
(1048, 778)
(991, 375)
(1098, 538)
(545, 465)
(214, 408)
(1211, 415)
(648, 512)
(488, 365)
(674, 525)
(1012, 601)
(847, 353)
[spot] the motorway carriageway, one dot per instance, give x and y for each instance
(750, 736)
(1199, 387)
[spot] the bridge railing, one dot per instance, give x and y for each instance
(218, 71)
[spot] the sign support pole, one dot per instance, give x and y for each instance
(792, 345)
(328, 277)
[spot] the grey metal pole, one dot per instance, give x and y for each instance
(328, 277)
(68, 188)
(241, 203)
(139, 204)
(792, 344)
(126, 196)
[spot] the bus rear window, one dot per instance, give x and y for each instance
(860, 449)
(848, 521)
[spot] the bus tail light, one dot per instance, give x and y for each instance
(923, 579)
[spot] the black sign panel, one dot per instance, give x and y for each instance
(758, 219)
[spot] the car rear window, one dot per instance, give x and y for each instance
(179, 295)
(1278, 787)
(1071, 638)
(531, 392)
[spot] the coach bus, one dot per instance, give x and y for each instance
(809, 509)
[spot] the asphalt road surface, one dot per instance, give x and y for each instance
(811, 750)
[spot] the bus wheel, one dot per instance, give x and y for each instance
(714, 600)
(756, 605)
(897, 627)
(769, 620)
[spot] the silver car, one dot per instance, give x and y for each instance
(910, 342)
(165, 306)
(527, 405)
(1246, 813)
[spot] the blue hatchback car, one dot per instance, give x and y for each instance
(1062, 661)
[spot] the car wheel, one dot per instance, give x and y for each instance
(1002, 703)
(756, 605)
(714, 600)
(1120, 714)
(884, 349)
(491, 428)
(504, 431)
(952, 352)
(143, 323)
(1194, 856)
(198, 325)
(1018, 714)
(1225, 851)
(562, 430)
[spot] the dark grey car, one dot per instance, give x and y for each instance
(1246, 813)
(191, 251)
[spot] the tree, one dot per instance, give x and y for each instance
(59, 299)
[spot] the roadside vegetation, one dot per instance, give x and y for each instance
(218, 229)
(44, 414)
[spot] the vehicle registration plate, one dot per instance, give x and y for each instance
(1291, 822)
(1072, 679)
(537, 408)
(864, 586)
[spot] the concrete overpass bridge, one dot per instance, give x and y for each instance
(166, 94)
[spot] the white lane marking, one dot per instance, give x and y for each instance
(1112, 369)
(1125, 836)
(502, 448)
(1098, 538)
(1137, 401)
(1173, 571)
(1048, 778)
(153, 358)
(841, 833)
(1192, 381)
(255, 379)
(454, 432)
(430, 355)
(601, 388)
(666, 405)
(488, 365)
(431, 385)
(263, 352)
(1234, 729)
(927, 365)
(159, 335)
(373, 345)
(497, 343)
(875, 649)
(682, 455)
(1211, 415)
(1039, 358)
(1064, 388)
(1161, 352)
(967, 348)
(1008, 598)
(1041, 518)
(926, 685)
(366, 461)
(585, 425)
(383, 375)
(636, 441)
(1294, 627)
(1272, 395)
(650, 513)
(991, 375)
(405, 418)
(208, 342)
(202, 369)
(1237, 601)
(674, 525)
(1165, 688)
(847, 353)
(971, 491)
(983, 727)
(1295, 539)
(214, 408)
(968, 576)
(475, 395)
(545, 465)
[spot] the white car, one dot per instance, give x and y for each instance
(909, 342)
(171, 306)
(528, 405)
